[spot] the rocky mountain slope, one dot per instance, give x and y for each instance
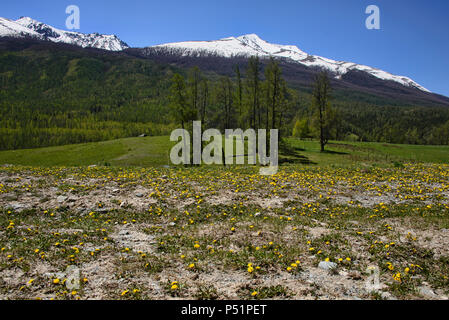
(27, 27)
(252, 45)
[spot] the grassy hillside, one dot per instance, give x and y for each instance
(148, 151)
(154, 151)
(339, 153)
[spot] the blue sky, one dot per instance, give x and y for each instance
(413, 40)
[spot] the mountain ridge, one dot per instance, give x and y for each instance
(243, 46)
(28, 27)
(55, 93)
(251, 44)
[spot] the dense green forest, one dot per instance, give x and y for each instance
(54, 96)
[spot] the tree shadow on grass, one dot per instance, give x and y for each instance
(335, 152)
(290, 154)
(298, 159)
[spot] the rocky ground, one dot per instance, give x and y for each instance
(220, 233)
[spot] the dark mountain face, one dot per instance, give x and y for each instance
(46, 31)
(26, 27)
(353, 83)
(221, 56)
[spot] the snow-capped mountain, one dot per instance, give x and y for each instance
(9, 28)
(27, 27)
(243, 46)
(251, 45)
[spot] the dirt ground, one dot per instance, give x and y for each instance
(305, 233)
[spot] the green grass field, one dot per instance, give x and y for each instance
(147, 151)
(154, 151)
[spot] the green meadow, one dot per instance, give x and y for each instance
(154, 151)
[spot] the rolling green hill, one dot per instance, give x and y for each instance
(146, 151)
(154, 151)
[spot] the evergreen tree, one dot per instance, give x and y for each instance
(193, 83)
(239, 97)
(253, 90)
(183, 111)
(225, 101)
(274, 92)
(321, 103)
(204, 98)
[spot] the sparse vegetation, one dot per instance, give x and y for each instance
(215, 233)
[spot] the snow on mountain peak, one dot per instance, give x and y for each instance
(252, 45)
(27, 20)
(9, 28)
(244, 46)
(28, 27)
(22, 19)
(254, 38)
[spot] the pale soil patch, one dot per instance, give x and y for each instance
(268, 202)
(224, 197)
(317, 232)
(12, 277)
(100, 274)
(129, 236)
(51, 198)
(433, 239)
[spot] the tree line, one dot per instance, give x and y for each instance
(254, 101)
(257, 101)
(261, 99)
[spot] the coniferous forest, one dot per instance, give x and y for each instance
(60, 94)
